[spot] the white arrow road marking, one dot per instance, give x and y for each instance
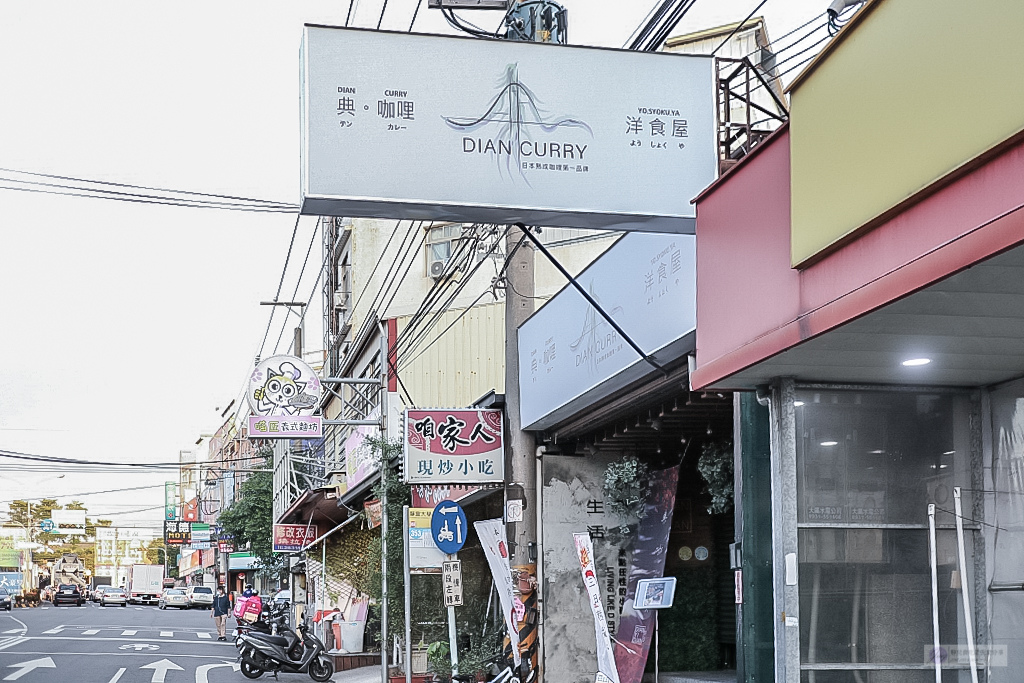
(91, 632)
(53, 631)
(25, 667)
(129, 632)
(139, 646)
(160, 669)
(117, 676)
(202, 634)
(202, 672)
(166, 634)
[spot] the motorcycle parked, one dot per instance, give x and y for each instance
(272, 619)
(289, 652)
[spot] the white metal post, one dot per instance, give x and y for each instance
(935, 594)
(452, 644)
(962, 558)
(408, 595)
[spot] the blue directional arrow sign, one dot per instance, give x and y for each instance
(46, 525)
(449, 527)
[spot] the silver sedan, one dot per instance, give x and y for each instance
(173, 597)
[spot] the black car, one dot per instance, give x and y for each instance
(68, 592)
(5, 599)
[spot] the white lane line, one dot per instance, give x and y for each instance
(128, 633)
(166, 634)
(12, 642)
(24, 626)
(201, 634)
(91, 632)
(54, 630)
(14, 630)
(117, 676)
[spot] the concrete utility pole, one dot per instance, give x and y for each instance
(522, 470)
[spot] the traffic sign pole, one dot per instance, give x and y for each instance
(408, 596)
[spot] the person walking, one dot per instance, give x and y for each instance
(221, 609)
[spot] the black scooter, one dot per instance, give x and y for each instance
(288, 653)
(272, 618)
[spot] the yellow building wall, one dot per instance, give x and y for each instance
(463, 365)
(916, 90)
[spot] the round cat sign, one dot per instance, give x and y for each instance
(283, 385)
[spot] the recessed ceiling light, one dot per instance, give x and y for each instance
(798, 403)
(912, 362)
(950, 453)
(876, 452)
(829, 443)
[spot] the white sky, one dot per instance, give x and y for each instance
(125, 328)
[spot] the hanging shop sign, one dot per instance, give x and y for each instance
(200, 533)
(520, 129)
(241, 561)
(284, 427)
(429, 495)
(290, 538)
(606, 671)
(449, 527)
(571, 358)
(360, 458)
(68, 522)
(177, 533)
(454, 446)
(495, 544)
(283, 386)
(190, 510)
(170, 500)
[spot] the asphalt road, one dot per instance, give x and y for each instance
(92, 644)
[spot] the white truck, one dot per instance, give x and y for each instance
(145, 583)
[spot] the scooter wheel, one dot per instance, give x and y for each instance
(250, 670)
(321, 670)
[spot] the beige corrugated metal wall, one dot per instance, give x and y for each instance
(464, 364)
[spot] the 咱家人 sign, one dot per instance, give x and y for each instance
(451, 581)
(454, 446)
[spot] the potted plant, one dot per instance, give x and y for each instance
(439, 660)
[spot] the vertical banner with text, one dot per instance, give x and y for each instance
(606, 671)
(495, 545)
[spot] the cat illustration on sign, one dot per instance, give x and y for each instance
(282, 393)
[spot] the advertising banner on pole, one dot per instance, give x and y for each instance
(460, 446)
(495, 545)
(170, 500)
(606, 671)
(543, 134)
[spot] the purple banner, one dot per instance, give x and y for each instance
(636, 627)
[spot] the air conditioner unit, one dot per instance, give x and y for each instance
(341, 300)
(437, 269)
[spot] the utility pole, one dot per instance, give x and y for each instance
(522, 477)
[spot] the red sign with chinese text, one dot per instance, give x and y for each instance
(289, 538)
(454, 446)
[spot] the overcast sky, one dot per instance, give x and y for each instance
(125, 328)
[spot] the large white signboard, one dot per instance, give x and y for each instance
(569, 356)
(430, 127)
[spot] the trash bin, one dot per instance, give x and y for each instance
(350, 634)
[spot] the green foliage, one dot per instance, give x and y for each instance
(349, 557)
(396, 494)
(439, 659)
(250, 519)
(716, 467)
(691, 623)
(626, 485)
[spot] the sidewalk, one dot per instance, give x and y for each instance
(365, 674)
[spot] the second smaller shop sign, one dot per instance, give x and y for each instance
(451, 575)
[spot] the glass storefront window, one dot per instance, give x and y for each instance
(868, 465)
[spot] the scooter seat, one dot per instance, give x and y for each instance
(280, 641)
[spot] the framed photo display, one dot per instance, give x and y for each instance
(655, 593)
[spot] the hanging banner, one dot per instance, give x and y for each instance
(636, 626)
(495, 545)
(606, 671)
(454, 446)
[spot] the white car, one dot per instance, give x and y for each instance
(173, 597)
(200, 596)
(113, 596)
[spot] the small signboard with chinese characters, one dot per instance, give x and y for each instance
(284, 427)
(454, 446)
(424, 555)
(290, 538)
(177, 533)
(451, 581)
